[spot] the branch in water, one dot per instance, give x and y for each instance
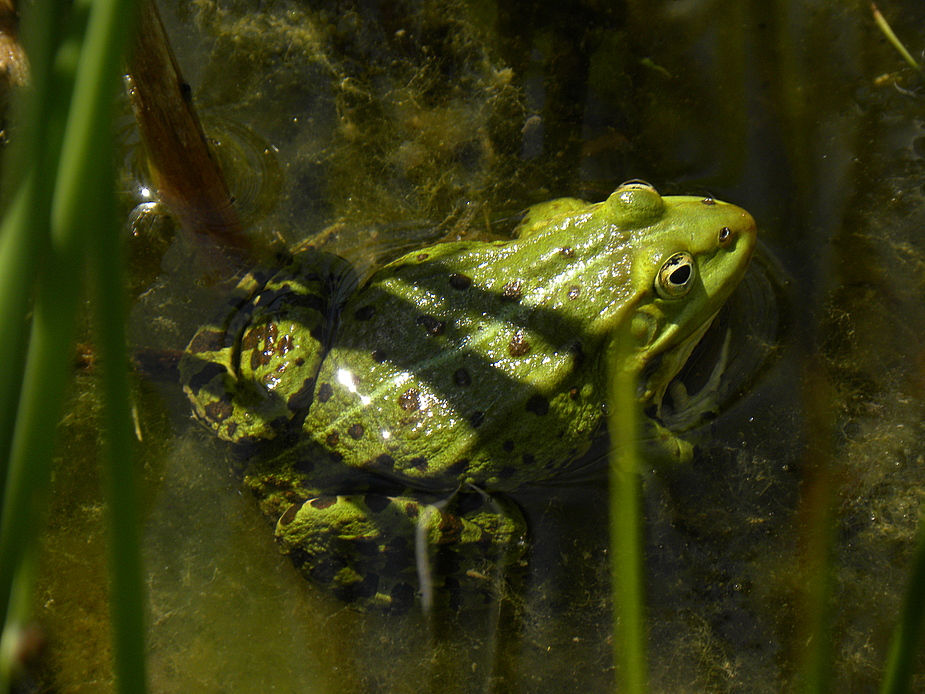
(184, 172)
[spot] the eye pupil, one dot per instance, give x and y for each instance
(681, 275)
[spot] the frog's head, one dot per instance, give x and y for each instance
(688, 255)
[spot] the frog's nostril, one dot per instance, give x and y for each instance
(725, 236)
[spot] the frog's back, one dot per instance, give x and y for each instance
(446, 366)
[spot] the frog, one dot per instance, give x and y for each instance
(402, 413)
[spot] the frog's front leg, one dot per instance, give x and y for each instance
(367, 547)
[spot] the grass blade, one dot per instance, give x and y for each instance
(626, 551)
(907, 638)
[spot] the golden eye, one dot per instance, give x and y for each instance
(676, 276)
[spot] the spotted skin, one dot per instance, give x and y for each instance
(253, 371)
(467, 366)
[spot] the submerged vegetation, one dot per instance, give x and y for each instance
(788, 556)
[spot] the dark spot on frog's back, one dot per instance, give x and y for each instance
(377, 503)
(378, 356)
(538, 405)
(383, 462)
(433, 325)
(573, 292)
(323, 502)
(205, 375)
(356, 431)
(512, 291)
(365, 312)
(461, 377)
(325, 392)
(460, 281)
(409, 401)
(519, 345)
(419, 463)
(266, 334)
(208, 341)
(458, 468)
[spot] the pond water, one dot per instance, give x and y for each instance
(378, 126)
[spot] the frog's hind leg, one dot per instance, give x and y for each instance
(251, 371)
(364, 547)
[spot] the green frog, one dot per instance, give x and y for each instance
(399, 412)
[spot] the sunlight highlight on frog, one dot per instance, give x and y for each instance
(345, 378)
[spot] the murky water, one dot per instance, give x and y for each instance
(387, 123)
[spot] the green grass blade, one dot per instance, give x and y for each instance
(907, 638)
(21, 239)
(887, 30)
(126, 590)
(39, 410)
(817, 522)
(83, 187)
(28, 181)
(32, 393)
(83, 198)
(626, 548)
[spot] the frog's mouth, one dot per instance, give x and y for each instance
(740, 343)
(694, 394)
(668, 380)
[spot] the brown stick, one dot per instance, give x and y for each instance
(186, 176)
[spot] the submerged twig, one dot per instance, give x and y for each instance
(184, 172)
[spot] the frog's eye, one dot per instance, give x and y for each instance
(637, 184)
(676, 276)
(634, 204)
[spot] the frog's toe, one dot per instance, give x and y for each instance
(662, 447)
